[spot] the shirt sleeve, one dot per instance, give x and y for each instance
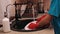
(54, 8)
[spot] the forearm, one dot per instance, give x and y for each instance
(45, 20)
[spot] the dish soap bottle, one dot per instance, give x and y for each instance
(6, 23)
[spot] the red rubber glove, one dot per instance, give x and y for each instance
(33, 26)
(39, 19)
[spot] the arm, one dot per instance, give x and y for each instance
(45, 20)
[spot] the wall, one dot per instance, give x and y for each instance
(3, 4)
(46, 4)
(1, 13)
(11, 11)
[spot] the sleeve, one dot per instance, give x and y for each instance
(54, 8)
